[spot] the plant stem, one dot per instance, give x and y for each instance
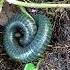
(39, 5)
(24, 11)
(1, 4)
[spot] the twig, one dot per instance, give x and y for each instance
(38, 5)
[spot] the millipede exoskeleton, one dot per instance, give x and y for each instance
(24, 38)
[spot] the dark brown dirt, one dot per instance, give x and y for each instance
(57, 56)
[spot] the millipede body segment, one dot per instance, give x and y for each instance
(25, 38)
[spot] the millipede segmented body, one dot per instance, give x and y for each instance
(25, 38)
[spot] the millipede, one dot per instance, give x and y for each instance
(25, 37)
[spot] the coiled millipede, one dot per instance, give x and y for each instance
(25, 38)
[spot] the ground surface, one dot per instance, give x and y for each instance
(57, 56)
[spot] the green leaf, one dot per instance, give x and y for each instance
(30, 66)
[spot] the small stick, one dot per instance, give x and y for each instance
(38, 5)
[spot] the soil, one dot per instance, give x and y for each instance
(57, 56)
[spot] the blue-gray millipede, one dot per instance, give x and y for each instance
(33, 35)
